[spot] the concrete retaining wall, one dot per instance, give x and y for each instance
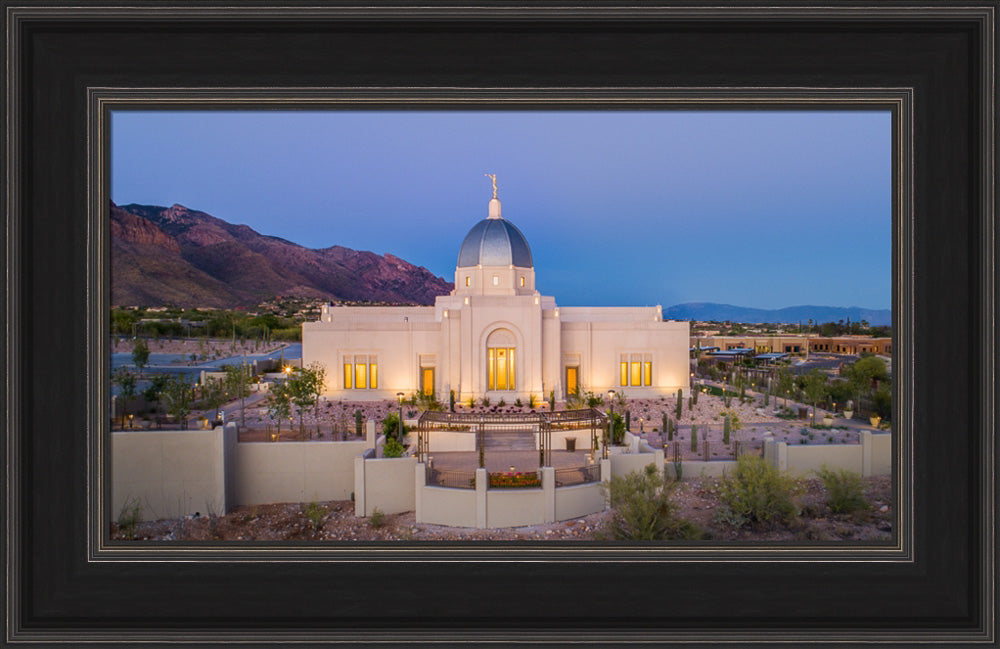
(515, 507)
(482, 507)
(170, 473)
(444, 440)
(289, 472)
(388, 485)
(692, 470)
(624, 464)
(804, 460)
(579, 500)
(881, 453)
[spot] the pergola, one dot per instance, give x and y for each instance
(481, 424)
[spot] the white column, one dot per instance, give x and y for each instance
(481, 484)
(549, 491)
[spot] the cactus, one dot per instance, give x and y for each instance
(357, 423)
(666, 425)
(670, 434)
(694, 396)
(680, 403)
(628, 420)
(767, 399)
(694, 438)
(451, 401)
(726, 427)
(552, 400)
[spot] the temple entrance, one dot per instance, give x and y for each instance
(500, 347)
(572, 381)
(427, 381)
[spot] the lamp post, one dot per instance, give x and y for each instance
(611, 422)
(399, 430)
(243, 391)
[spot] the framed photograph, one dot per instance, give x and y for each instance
(72, 72)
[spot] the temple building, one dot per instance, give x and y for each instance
(496, 336)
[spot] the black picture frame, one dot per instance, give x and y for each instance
(62, 588)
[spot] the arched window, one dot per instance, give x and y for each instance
(500, 346)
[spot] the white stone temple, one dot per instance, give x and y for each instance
(495, 335)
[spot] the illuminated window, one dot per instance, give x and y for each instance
(496, 280)
(500, 368)
(635, 370)
(361, 372)
(522, 280)
(468, 280)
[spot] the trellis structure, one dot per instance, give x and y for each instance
(481, 424)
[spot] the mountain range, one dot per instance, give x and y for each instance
(791, 314)
(179, 256)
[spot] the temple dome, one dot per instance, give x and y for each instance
(494, 242)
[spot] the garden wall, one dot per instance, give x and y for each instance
(290, 472)
(171, 473)
(482, 507)
(388, 485)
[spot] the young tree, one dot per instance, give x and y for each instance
(125, 380)
(237, 382)
(140, 355)
(303, 385)
(318, 382)
(153, 393)
(178, 395)
(279, 403)
(785, 383)
(214, 393)
(815, 388)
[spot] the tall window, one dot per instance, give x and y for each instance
(361, 372)
(500, 360)
(635, 370)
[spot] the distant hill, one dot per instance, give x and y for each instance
(791, 314)
(175, 255)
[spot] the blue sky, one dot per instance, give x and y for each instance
(762, 208)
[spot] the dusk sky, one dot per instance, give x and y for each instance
(761, 209)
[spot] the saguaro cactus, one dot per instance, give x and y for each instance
(726, 427)
(680, 403)
(666, 424)
(694, 438)
(628, 420)
(357, 423)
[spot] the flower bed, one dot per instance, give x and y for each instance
(515, 480)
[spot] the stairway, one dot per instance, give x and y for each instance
(510, 441)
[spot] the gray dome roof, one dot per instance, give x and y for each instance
(495, 242)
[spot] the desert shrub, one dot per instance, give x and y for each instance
(390, 426)
(844, 491)
(643, 509)
(315, 513)
(377, 519)
(757, 493)
(392, 448)
(129, 517)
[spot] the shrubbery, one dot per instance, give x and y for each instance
(757, 494)
(643, 510)
(845, 493)
(392, 448)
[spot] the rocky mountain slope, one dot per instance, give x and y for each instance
(176, 255)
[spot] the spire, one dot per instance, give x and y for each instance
(494, 202)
